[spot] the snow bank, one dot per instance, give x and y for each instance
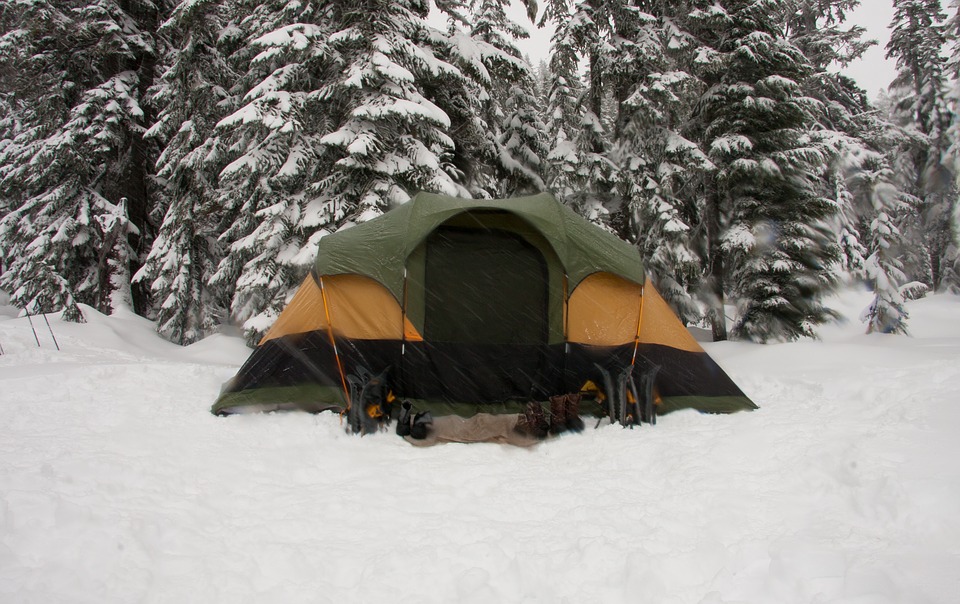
(117, 485)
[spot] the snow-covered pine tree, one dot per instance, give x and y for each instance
(193, 96)
(766, 212)
(871, 186)
(660, 168)
(80, 152)
(592, 26)
(273, 140)
(886, 313)
(470, 160)
(9, 128)
(820, 30)
(520, 140)
(853, 253)
(581, 32)
(950, 278)
(392, 140)
(498, 152)
(334, 127)
(562, 111)
(522, 143)
(917, 43)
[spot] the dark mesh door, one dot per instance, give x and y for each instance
(484, 287)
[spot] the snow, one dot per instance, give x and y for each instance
(731, 144)
(118, 485)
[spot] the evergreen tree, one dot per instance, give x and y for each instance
(920, 88)
(563, 111)
(592, 26)
(871, 186)
(660, 169)
(765, 212)
(498, 151)
(819, 29)
(335, 127)
(582, 171)
(273, 140)
(522, 142)
(511, 115)
(950, 278)
(80, 158)
(886, 313)
(194, 96)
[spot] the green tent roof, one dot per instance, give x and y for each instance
(379, 248)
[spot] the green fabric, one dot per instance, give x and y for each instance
(379, 248)
(314, 398)
(706, 404)
(309, 397)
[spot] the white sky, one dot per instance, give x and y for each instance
(873, 72)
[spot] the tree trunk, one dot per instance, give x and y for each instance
(139, 163)
(135, 190)
(935, 268)
(718, 320)
(596, 85)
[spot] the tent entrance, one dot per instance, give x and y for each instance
(480, 288)
(484, 287)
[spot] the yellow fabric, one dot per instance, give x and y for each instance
(303, 313)
(603, 311)
(360, 308)
(604, 308)
(661, 326)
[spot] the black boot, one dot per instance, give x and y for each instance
(572, 409)
(558, 413)
(421, 425)
(403, 422)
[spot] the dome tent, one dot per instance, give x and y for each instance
(476, 306)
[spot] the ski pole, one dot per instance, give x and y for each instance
(29, 318)
(51, 331)
(1, 350)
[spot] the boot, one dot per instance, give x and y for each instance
(403, 422)
(558, 413)
(421, 425)
(572, 411)
(532, 421)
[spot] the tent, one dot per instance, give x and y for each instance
(465, 306)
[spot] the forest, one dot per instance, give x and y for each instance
(184, 159)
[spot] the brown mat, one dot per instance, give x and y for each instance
(481, 428)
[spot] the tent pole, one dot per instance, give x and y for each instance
(403, 330)
(566, 326)
(333, 342)
(636, 339)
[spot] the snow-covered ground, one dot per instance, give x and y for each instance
(118, 485)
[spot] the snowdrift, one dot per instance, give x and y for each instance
(118, 485)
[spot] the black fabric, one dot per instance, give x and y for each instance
(481, 373)
(309, 358)
(476, 373)
(484, 286)
(684, 373)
